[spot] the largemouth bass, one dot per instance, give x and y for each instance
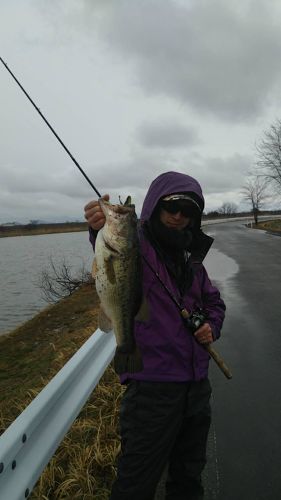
(117, 273)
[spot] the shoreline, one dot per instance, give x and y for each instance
(41, 229)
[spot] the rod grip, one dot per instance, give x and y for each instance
(218, 360)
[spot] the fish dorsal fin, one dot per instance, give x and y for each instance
(104, 321)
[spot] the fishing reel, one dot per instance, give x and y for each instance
(195, 320)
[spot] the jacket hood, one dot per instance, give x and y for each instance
(169, 183)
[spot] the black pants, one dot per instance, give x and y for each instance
(163, 423)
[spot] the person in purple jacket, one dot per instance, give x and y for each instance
(165, 412)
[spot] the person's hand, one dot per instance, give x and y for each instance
(94, 214)
(204, 334)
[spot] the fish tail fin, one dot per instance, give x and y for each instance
(128, 362)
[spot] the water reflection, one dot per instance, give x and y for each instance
(220, 267)
(21, 261)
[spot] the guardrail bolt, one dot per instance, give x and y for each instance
(1, 467)
(14, 464)
(26, 493)
(24, 438)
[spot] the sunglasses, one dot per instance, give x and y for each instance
(173, 207)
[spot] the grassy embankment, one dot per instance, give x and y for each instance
(273, 226)
(84, 464)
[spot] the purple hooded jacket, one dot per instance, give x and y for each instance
(169, 351)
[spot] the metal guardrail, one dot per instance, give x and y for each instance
(29, 443)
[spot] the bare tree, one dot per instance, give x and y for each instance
(58, 281)
(255, 192)
(269, 156)
(228, 209)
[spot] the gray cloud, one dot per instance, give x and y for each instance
(166, 135)
(217, 175)
(136, 171)
(27, 180)
(222, 175)
(218, 57)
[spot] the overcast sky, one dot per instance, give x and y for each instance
(134, 88)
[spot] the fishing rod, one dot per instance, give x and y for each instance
(51, 128)
(184, 313)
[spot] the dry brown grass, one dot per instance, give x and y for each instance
(270, 225)
(84, 464)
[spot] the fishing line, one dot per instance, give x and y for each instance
(51, 128)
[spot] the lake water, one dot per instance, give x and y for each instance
(22, 259)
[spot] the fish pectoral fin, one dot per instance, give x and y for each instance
(109, 270)
(143, 312)
(94, 268)
(104, 321)
(128, 362)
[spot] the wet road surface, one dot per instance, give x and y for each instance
(244, 448)
(245, 440)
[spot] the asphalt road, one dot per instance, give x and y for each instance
(245, 439)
